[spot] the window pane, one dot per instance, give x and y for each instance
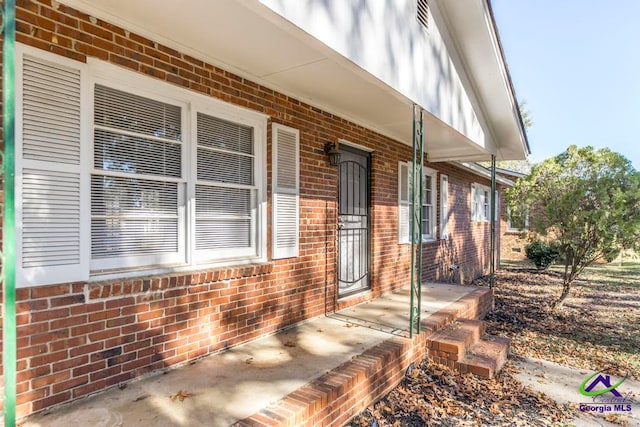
(133, 217)
(427, 215)
(212, 201)
(132, 154)
(223, 217)
(221, 134)
(124, 111)
(138, 136)
(132, 196)
(219, 234)
(217, 166)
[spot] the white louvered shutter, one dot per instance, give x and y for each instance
(51, 190)
(286, 186)
(474, 203)
(404, 203)
(444, 206)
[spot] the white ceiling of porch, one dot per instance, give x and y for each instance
(250, 40)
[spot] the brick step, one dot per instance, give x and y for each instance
(486, 358)
(452, 342)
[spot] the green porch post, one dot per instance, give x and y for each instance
(416, 220)
(492, 280)
(8, 225)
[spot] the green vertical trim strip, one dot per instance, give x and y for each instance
(492, 277)
(8, 225)
(413, 299)
(420, 220)
(416, 220)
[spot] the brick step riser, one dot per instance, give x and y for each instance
(444, 345)
(497, 362)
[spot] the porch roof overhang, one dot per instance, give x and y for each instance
(483, 172)
(249, 39)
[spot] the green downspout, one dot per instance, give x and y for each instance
(8, 225)
(416, 220)
(492, 280)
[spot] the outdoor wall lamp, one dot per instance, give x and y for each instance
(331, 150)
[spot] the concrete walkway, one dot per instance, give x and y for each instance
(562, 384)
(227, 387)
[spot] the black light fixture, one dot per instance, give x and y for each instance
(331, 150)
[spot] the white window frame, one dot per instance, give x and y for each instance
(110, 75)
(430, 203)
(511, 228)
(444, 206)
(480, 203)
(127, 262)
(404, 204)
(258, 232)
(186, 258)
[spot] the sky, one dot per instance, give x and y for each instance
(576, 63)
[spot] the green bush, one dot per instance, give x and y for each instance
(541, 253)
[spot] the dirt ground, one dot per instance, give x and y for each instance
(599, 328)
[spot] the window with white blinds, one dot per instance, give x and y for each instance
(429, 192)
(225, 188)
(429, 204)
(117, 172)
(136, 184)
(404, 203)
(480, 202)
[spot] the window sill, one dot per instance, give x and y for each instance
(429, 240)
(101, 276)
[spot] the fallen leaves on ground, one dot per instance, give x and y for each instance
(181, 395)
(598, 328)
(622, 420)
(433, 395)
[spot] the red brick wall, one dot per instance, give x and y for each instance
(512, 247)
(76, 339)
(512, 243)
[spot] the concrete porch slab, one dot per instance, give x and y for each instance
(227, 387)
(390, 313)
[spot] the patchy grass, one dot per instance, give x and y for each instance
(599, 326)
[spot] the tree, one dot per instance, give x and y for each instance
(522, 166)
(525, 114)
(585, 201)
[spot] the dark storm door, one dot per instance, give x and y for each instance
(353, 221)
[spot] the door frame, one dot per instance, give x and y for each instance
(366, 152)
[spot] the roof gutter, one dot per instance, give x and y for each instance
(508, 75)
(478, 170)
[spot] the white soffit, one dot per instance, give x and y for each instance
(472, 33)
(248, 39)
